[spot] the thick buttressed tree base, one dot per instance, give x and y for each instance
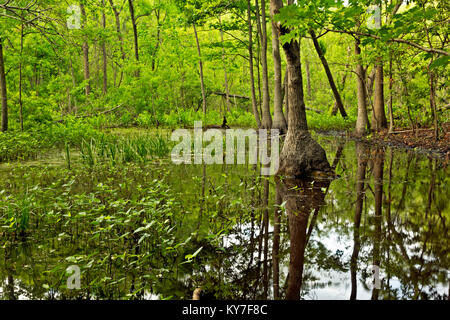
(302, 155)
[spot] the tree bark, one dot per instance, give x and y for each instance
(326, 67)
(135, 34)
(379, 115)
(279, 122)
(20, 79)
(120, 38)
(301, 155)
(262, 31)
(362, 120)
(432, 81)
(3, 89)
(200, 63)
(87, 74)
(344, 78)
(252, 78)
(227, 91)
(104, 57)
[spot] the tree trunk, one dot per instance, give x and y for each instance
(227, 91)
(362, 120)
(301, 155)
(200, 63)
(105, 62)
(135, 34)
(252, 78)
(344, 78)
(262, 31)
(279, 122)
(87, 74)
(3, 89)
(336, 94)
(391, 96)
(379, 115)
(119, 36)
(432, 80)
(20, 79)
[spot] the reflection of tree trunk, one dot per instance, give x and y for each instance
(388, 218)
(378, 190)
(266, 238)
(361, 154)
(276, 246)
(301, 197)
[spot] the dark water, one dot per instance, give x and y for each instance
(230, 231)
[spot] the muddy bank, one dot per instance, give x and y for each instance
(422, 140)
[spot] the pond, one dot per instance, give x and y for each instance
(157, 230)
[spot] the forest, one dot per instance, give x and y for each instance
(92, 206)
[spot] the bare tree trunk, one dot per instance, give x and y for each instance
(105, 62)
(119, 36)
(200, 63)
(262, 31)
(432, 80)
(344, 78)
(87, 74)
(252, 78)
(301, 155)
(279, 122)
(391, 96)
(379, 115)
(362, 119)
(333, 87)
(3, 89)
(227, 91)
(20, 79)
(135, 34)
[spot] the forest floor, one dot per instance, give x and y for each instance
(422, 139)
